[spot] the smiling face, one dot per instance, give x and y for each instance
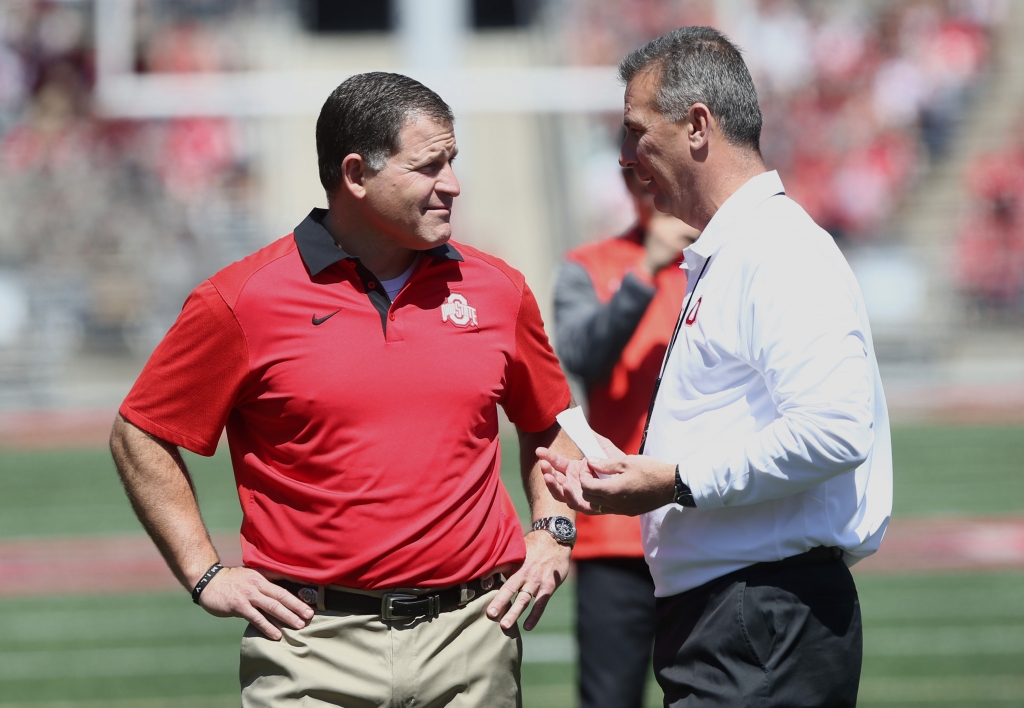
(658, 150)
(410, 199)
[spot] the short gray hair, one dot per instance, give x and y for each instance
(701, 65)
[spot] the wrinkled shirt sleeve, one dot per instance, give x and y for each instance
(803, 334)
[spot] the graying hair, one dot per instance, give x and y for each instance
(701, 65)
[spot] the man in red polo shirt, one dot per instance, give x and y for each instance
(616, 304)
(357, 365)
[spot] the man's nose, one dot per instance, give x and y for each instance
(627, 154)
(449, 183)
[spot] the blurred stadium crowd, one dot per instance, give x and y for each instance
(992, 232)
(107, 224)
(857, 96)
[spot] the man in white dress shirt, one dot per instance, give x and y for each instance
(767, 468)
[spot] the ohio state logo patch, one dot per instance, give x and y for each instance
(457, 311)
(692, 317)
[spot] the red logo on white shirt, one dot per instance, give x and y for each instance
(458, 311)
(692, 317)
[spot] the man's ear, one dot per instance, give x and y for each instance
(354, 172)
(700, 126)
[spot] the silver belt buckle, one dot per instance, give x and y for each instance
(387, 604)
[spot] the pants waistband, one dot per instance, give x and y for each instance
(815, 556)
(818, 554)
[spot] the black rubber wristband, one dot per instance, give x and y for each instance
(205, 580)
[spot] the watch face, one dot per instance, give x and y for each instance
(563, 528)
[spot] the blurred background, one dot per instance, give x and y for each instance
(144, 144)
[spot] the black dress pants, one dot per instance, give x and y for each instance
(615, 631)
(770, 635)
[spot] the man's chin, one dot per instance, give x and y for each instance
(434, 239)
(442, 235)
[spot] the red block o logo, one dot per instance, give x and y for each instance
(692, 317)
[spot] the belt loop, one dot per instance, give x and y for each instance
(465, 594)
(321, 594)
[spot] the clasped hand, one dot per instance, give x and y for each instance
(633, 485)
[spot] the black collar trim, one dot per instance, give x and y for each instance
(445, 251)
(319, 251)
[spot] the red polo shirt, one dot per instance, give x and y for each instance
(363, 433)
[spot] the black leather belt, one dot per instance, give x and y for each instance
(818, 554)
(393, 605)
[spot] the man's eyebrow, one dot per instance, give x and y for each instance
(440, 152)
(429, 154)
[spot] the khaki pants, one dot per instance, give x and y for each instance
(459, 659)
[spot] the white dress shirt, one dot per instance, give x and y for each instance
(770, 401)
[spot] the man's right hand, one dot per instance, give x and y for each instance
(160, 489)
(665, 240)
(242, 592)
(564, 477)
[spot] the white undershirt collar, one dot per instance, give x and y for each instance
(394, 286)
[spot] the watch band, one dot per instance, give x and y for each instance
(683, 495)
(566, 538)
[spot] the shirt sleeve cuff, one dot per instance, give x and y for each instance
(705, 494)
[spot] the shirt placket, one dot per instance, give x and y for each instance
(375, 292)
(383, 304)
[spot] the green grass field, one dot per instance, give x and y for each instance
(929, 639)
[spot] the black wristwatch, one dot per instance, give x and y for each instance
(683, 496)
(562, 528)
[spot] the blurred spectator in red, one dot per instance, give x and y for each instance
(55, 130)
(991, 249)
(182, 48)
(196, 153)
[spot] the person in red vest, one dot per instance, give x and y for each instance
(616, 304)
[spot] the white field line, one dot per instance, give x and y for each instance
(204, 658)
(106, 564)
(192, 659)
(974, 640)
(929, 690)
(230, 701)
(955, 690)
(120, 625)
(548, 648)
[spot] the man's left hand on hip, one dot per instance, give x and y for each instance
(634, 485)
(545, 568)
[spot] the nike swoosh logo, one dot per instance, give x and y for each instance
(321, 320)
